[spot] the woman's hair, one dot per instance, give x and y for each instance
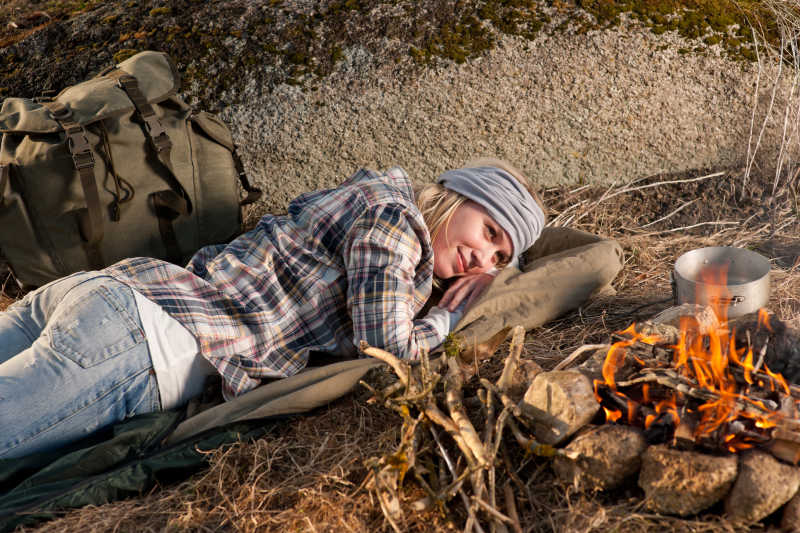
(438, 204)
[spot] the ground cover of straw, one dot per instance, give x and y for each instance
(309, 473)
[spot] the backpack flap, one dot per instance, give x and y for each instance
(95, 99)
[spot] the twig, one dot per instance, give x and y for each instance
(438, 417)
(454, 398)
(491, 510)
(421, 395)
(564, 363)
(512, 361)
(531, 446)
(761, 355)
(710, 223)
(504, 399)
(611, 193)
(665, 217)
(659, 183)
(487, 399)
(400, 368)
(511, 508)
(499, 427)
(472, 519)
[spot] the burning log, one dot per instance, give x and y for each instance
(602, 458)
(704, 317)
(785, 445)
(559, 403)
(763, 485)
(683, 482)
(779, 344)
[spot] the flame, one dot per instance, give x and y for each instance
(615, 357)
(763, 319)
(779, 378)
(710, 359)
(715, 284)
(612, 415)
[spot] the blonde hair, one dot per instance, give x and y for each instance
(438, 204)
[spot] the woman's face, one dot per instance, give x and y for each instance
(470, 244)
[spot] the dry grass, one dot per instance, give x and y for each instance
(308, 473)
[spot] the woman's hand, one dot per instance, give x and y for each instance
(466, 289)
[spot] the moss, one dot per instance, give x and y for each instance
(453, 345)
(125, 53)
(710, 20)
(158, 11)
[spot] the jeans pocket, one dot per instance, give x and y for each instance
(95, 328)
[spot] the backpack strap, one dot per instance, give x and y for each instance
(90, 220)
(253, 193)
(171, 203)
(5, 172)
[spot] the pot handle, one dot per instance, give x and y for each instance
(733, 301)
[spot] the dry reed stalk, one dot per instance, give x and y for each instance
(785, 20)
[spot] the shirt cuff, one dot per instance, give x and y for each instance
(444, 321)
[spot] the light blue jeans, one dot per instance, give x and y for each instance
(73, 359)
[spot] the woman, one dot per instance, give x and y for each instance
(343, 265)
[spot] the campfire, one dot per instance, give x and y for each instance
(693, 407)
(711, 420)
(702, 389)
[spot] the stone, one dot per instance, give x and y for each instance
(684, 482)
(559, 403)
(602, 458)
(791, 515)
(763, 485)
(523, 376)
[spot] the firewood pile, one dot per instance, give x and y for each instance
(691, 408)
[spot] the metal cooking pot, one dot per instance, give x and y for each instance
(746, 287)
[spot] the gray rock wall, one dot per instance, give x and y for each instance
(606, 106)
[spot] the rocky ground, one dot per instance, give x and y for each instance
(572, 93)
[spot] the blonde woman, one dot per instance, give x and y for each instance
(353, 263)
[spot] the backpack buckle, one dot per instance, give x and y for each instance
(79, 147)
(158, 135)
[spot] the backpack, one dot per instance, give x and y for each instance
(117, 166)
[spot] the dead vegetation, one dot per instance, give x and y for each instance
(311, 473)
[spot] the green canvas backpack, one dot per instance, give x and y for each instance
(117, 166)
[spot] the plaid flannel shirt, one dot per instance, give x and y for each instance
(343, 265)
